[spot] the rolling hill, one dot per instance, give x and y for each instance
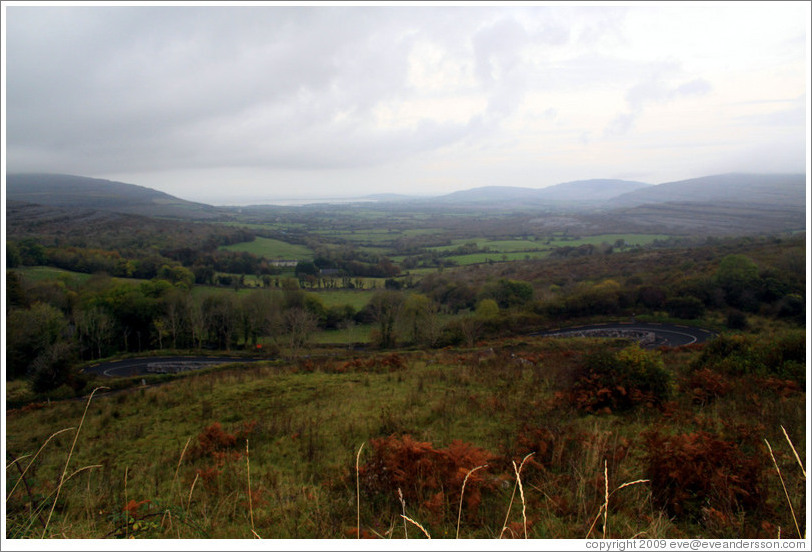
(62, 190)
(576, 194)
(787, 190)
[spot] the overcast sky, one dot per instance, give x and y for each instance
(233, 104)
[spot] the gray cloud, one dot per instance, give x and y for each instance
(653, 91)
(141, 90)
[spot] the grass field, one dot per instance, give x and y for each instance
(511, 246)
(270, 450)
(272, 249)
(40, 273)
(479, 258)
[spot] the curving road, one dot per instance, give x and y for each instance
(648, 333)
(159, 365)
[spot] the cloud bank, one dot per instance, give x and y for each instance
(284, 101)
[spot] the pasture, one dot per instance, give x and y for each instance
(272, 249)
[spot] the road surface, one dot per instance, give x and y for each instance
(159, 365)
(649, 334)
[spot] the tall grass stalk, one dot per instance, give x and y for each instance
(248, 475)
(410, 520)
(795, 452)
(462, 493)
(177, 469)
(44, 502)
(521, 490)
(606, 495)
(126, 502)
(65, 469)
(605, 506)
(403, 510)
(22, 476)
(777, 469)
(191, 490)
(358, 489)
(513, 496)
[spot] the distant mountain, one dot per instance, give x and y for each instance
(579, 193)
(489, 194)
(757, 189)
(63, 190)
(591, 191)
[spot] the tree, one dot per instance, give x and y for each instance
(222, 320)
(261, 314)
(177, 314)
(299, 326)
(509, 293)
(419, 319)
(738, 276)
(487, 308)
(95, 326)
(471, 327)
(386, 306)
(31, 333)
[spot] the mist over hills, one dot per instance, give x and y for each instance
(717, 204)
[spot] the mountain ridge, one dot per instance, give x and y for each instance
(66, 190)
(761, 190)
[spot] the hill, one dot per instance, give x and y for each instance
(787, 190)
(591, 191)
(575, 194)
(62, 190)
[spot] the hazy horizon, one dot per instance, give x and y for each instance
(226, 104)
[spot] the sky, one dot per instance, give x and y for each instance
(262, 102)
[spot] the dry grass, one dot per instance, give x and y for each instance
(67, 462)
(410, 520)
(784, 486)
(462, 493)
(358, 489)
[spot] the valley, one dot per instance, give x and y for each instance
(321, 371)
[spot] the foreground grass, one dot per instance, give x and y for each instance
(175, 460)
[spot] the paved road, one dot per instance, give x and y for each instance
(159, 365)
(649, 334)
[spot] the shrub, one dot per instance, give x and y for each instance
(783, 355)
(705, 385)
(619, 381)
(693, 473)
(427, 476)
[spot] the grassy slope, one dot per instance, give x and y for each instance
(312, 416)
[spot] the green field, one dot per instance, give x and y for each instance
(272, 249)
(335, 298)
(40, 273)
(497, 257)
(516, 245)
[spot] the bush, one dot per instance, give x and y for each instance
(696, 473)
(620, 381)
(426, 476)
(782, 355)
